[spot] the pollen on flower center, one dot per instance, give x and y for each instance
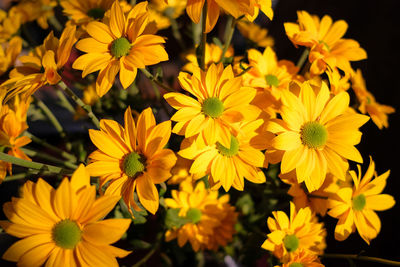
(120, 47)
(213, 107)
(96, 13)
(296, 264)
(313, 134)
(272, 80)
(66, 234)
(291, 242)
(229, 152)
(194, 215)
(133, 164)
(359, 202)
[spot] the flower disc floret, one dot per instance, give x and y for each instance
(66, 234)
(314, 134)
(96, 13)
(120, 47)
(194, 215)
(291, 242)
(133, 164)
(296, 264)
(272, 80)
(359, 202)
(213, 107)
(232, 150)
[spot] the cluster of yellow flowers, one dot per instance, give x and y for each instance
(236, 116)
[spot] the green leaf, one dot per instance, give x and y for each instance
(246, 204)
(140, 244)
(218, 42)
(173, 220)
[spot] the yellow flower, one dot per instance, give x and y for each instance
(255, 33)
(9, 25)
(378, 112)
(303, 258)
(9, 53)
(63, 226)
(249, 8)
(162, 13)
(121, 44)
(337, 82)
(82, 12)
(299, 232)
(221, 100)
(41, 66)
(31, 10)
(317, 134)
(207, 221)
(229, 165)
(212, 55)
(355, 207)
(324, 38)
(180, 172)
(132, 157)
(90, 97)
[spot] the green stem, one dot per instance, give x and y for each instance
(55, 23)
(203, 41)
(79, 101)
(63, 153)
(147, 256)
(232, 22)
(33, 165)
(153, 79)
(64, 102)
(303, 58)
(32, 153)
(15, 177)
(361, 258)
(50, 116)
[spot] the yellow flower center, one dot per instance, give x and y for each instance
(314, 134)
(120, 47)
(272, 80)
(296, 264)
(291, 242)
(229, 152)
(133, 164)
(96, 13)
(213, 107)
(359, 202)
(66, 234)
(194, 215)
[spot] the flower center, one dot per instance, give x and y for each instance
(313, 134)
(359, 202)
(325, 44)
(213, 107)
(291, 242)
(66, 234)
(272, 80)
(296, 264)
(194, 215)
(120, 47)
(133, 164)
(96, 13)
(229, 152)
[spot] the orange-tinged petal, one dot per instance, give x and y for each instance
(157, 138)
(101, 207)
(37, 255)
(336, 106)
(117, 20)
(380, 202)
(287, 141)
(126, 75)
(147, 193)
(91, 45)
(80, 178)
(100, 31)
(194, 8)
(106, 231)
(103, 142)
(145, 121)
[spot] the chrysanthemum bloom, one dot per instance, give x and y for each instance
(81, 12)
(121, 44)
(221, 101)
(317, 134)
(253, 32)
(180, 172)
(248, 8)
(212, 56)
(63, 226)
(337, 82)
(208, 220)
(132, 158)
(328, 48)
(162, 13)
(31, 10)
(378, 112)
(355, 207)
(288, 235)
(229, 165)
(41, 66)
(9, 53)
(9, 25)
(303, 258)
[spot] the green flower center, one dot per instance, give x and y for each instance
(296, 264)
(66, 234)
(194, 215)
(359, 202)
(313, 134)
(120, 47)
(213, 107)
(229, 152)
(96, 13)
(291, 242)
(325, 44)
(272, 80)
(133, 164)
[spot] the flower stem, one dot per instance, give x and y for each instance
(44, 156)
(153, 79)
(79, 101)
(50, 116)
(231, 23)
(64, 102)
(361, 258)
(150, 253)
(15, 177)
(303, 58)
(203, 41)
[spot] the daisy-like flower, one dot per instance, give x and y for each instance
(253, 32)
(162, 13)
(221, 101)
(303, 258)
(31, 10)
(317, 134)
(132, 158)
(82, 12)
(9, 25)
(207, 220)
(355, 207)
(324, 38)
(378, 112)
(41, 66)
(337, 82)
(9, 53)
(63, 226)
(123, 43)
(180, 172)
(228, 166)
(299, 232)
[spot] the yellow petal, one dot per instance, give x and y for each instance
(380, 202)
(100, 31)
(106, 231)
(147, 193)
